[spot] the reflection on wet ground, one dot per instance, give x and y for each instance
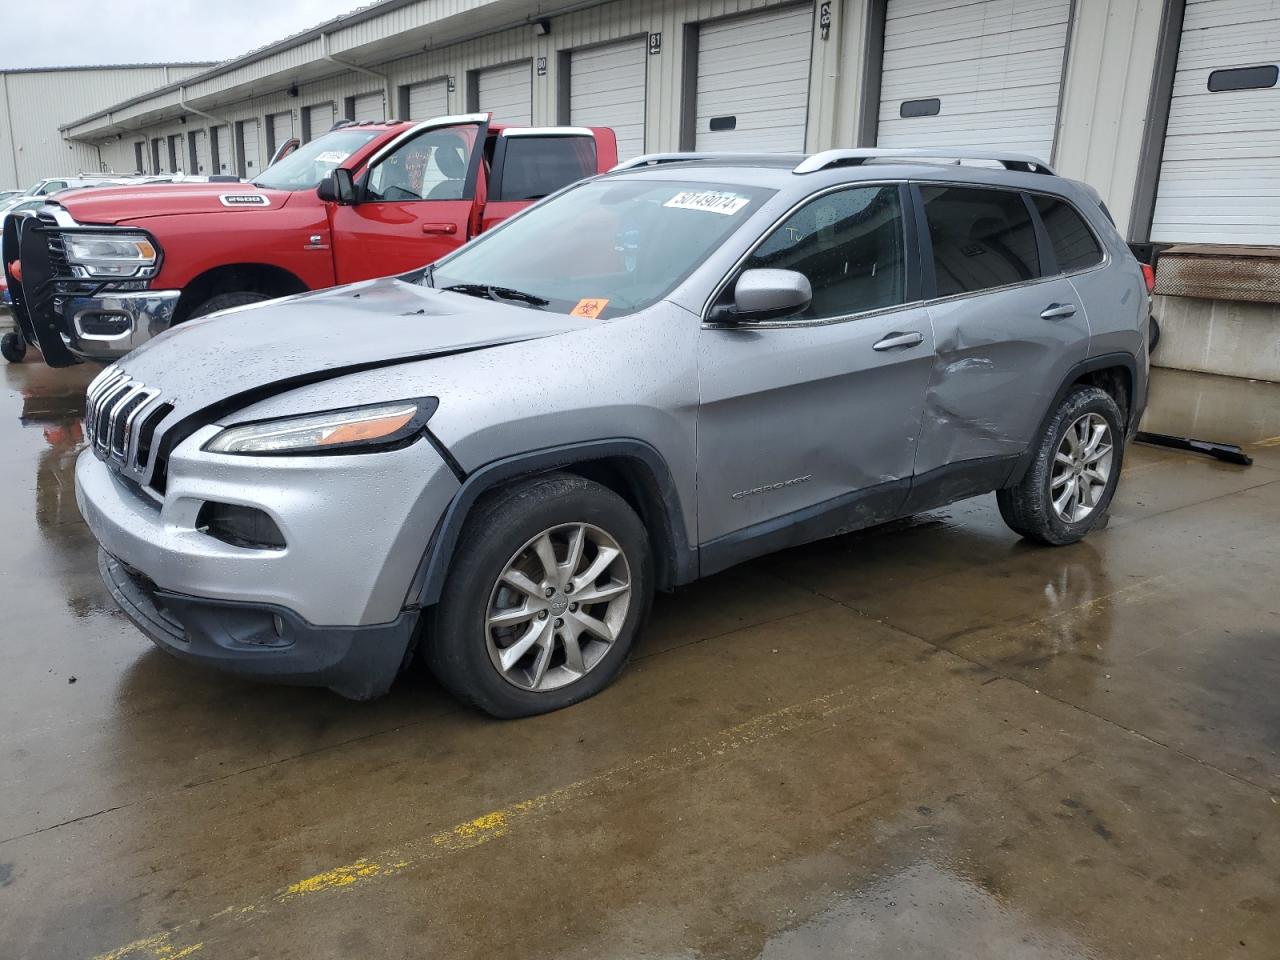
(926, 740)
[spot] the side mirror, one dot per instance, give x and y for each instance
(337, 187)
(766, 295)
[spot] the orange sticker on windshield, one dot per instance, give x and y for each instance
(588, 308)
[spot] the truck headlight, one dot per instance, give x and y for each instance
(110, 255)
(353, 430)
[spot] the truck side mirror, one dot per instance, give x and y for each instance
(337, 187)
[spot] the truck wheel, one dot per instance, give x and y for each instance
(225, 301)
(550, 583)
(1153, 338)
(1069, 485)
(13, 347)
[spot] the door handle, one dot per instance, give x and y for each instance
(439, 228)
(894, 340)
(1058, 311)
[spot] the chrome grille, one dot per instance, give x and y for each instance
(120, 419)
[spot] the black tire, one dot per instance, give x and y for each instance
(225, 301)
(1028, 509)
(1153, 336)
(455, 647)
(13, 347)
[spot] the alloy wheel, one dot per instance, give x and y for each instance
(557, 607)
(1081, 468)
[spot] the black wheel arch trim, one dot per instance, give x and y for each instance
(677, 559)
(1103, 361)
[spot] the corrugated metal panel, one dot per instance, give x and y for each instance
(281, 130)
(607, 89)
(753, 81)
(995, 68)
(251, 162)
(39, 100)
(1220, 173)
(507, 93)
(1105, 98)
(220, 150)
(427, 100)
(368, 106)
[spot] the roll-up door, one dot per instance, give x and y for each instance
(607, 89)
(220, 151)
(979, 75)
(507, 93)
(427, 100)
(367, 107)
(177, 153)
(200, 159)
(319, 120)
(1220, 171)
(753, 81)
(281, 130)
(250, 162)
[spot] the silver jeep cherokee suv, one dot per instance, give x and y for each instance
(646, 378)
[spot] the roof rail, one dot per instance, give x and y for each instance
(654, 159)
(852, 157)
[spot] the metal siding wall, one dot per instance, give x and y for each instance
(37, 101)
(1105, 98)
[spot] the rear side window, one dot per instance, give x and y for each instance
(536, 166)
(850, 246)
(1074, 245)
(981, 238)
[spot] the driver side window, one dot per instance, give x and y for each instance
(432, 166)
(849, 244)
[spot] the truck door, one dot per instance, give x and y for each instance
(531, 162)
(414, 201)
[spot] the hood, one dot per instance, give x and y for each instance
(111, 205)
(254, 351)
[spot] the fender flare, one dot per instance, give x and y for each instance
(663, 507)
(1087, 366)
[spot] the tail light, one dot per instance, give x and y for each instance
(1149, 275)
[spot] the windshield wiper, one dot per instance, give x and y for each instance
(496, 293)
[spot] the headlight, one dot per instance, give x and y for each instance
(353, 430)
(110, 255)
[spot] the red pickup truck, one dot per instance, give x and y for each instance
(101, 271)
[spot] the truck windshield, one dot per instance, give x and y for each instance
(603, 249)
(307, 166)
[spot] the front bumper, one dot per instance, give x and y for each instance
(262, 641)
(108, 325)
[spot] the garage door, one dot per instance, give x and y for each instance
(367, 107)
(980, 75)
(753, 81)
(1220, 172)
(507, 93)
(281, 130)
(427, 100)
(200, 159)
(220, 150)
(250, 162)
(319, 120)
(607, 88)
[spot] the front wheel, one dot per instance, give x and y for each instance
(225, 301)
(1067, 489)
(13, 347)
(550, 583)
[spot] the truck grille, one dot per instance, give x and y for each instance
(57, 249)
(120, 421)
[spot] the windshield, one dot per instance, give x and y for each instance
(603, 249)
(307, 166)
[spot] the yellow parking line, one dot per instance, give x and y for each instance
(498, 823)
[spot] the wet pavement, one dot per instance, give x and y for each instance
(927, 740)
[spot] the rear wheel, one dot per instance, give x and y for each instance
(1067, 489)
(225, 301)
(550, 583)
